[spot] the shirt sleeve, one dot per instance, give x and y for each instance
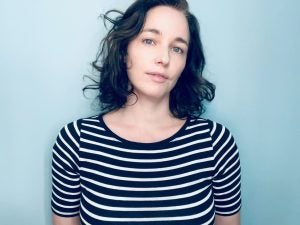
(227, 171)
(65, 175)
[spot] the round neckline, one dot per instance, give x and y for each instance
(136, 143)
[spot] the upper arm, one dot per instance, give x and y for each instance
(228, 220)
(227, 173)
(65, 175)
(59, 220)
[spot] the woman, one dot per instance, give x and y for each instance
(148, 158)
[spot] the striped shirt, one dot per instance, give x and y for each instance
(184, 179)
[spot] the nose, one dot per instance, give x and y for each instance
(163, 56)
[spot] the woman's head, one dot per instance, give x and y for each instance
(191, 88)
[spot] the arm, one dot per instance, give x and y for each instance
(228, 220)
(227, 177)
(65, 201)
(59, 220)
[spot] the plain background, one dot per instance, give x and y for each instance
(253, 56)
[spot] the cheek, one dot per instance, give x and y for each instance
(180, 68)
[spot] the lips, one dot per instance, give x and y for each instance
(157, 77)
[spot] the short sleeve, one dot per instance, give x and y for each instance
(227, 171)
(65, 176)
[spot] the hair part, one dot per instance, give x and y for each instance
(191, 89)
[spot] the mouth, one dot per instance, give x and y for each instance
(158, 77)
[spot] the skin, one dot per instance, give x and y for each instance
(58, 220)
(228, 220)
(155, 60)
(157, 56)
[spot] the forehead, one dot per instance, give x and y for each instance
(169, 21)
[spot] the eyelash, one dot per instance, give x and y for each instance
(146, 40)
(175, 49)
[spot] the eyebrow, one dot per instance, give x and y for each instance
(155, 31)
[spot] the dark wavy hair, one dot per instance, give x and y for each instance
(191, 89)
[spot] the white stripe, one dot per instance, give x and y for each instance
(229, 176)
(61, 175)
(65, 213)
(229, 205)
(69, 147)
(65, 206)
(61, 158)
(228, 160)
(76, 128)
(64, 199)
(196, 125)
(213, 129)
(227, 192)
(85, 222)
(227, 199)
(93, 126)
(181, 218)
(65, 192)
(143, 209)
(220, 136)
(142, 199)
(146, 151)
(198, 119)
(66, 185)
(145, 189)
(146, 160)
(60, 166)
(99, 136)
(92, 120)
(71, 137)
(233, 164)
(190, 135)
(223, 145)
(97, 162)
(229, 212)
(152, 179)
(227, 184)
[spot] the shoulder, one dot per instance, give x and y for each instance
(216, 130)
(74, 128)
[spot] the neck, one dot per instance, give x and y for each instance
(147, 111)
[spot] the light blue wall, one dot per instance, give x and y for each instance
(253, 56)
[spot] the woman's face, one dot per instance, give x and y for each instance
(157, 56)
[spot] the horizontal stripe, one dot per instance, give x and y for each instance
(152, 179)
(64, 199)
(191, 135)
(63, 191)
(64, 206)
(141, 209)
(146, 151)
(146, 179)
(65, 213)
(98, 135)
(145, 160)
(147, 170)
(62, 183)
(93, 126)
(142, 199)
(179, 218)
(144, 189)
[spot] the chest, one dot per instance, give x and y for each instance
(121, 180)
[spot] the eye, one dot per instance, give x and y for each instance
(148, 42)
(178, 50)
